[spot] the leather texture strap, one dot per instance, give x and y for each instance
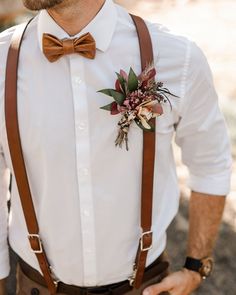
(145, 242)
(17, 157)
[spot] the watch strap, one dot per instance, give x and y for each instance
(193, 264)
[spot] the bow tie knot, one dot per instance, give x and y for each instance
(68, 46)
(54, 48)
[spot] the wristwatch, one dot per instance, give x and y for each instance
(203, 266)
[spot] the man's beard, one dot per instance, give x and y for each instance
(41, 4)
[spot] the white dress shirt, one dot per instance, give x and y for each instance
(86, 191)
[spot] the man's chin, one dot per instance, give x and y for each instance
(41, 4)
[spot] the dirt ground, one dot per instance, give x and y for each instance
(212, 24)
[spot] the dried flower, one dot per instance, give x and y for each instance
(137, 99)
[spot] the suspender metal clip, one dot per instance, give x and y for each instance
(146, 241)
(133, 276)
(35, 243)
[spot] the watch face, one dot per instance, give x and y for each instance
(207, 266)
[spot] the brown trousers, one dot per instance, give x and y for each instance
(25, 286)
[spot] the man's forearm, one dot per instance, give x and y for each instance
(205, 214)
(2, 287)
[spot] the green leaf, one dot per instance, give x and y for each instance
(107, 107)
(118, 96)
(123, 82)
(145, 129)
(106, 91)
(132, 81)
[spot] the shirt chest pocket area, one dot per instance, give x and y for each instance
(164, 134)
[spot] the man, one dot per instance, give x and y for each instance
(85, 190)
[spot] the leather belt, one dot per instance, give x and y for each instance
(158, 268)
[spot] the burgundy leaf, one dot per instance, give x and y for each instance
(124, 75)
(151, 73)
(114, 109)
(118, 86)
(147, 76)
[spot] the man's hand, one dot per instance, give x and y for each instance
(205, 213)
(183, 282)
(3, 287)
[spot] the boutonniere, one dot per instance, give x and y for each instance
(138, 99)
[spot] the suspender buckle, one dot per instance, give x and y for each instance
(35, 243)
(132, 278)
(146, 241)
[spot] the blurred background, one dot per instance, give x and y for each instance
(212, 24)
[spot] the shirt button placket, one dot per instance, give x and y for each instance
(84, 177)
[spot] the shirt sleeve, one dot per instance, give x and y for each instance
(201, 132)
(4, 250)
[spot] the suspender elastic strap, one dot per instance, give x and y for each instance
(14, 142)
(145, 242)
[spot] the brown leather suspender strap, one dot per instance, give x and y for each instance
(14, 142)
(145, 42)
(145, 242)
(20, 172)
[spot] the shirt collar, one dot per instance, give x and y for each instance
(102, 26)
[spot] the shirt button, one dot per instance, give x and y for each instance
(82, 125)
(83, 172)
(77, 80)
(35, 291)
(86, 213)
(91, 283)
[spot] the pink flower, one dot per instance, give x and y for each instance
(126, 102)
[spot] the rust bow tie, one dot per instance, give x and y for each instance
(54, 48)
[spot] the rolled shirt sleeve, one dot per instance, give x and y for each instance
(4, 251)
(201, 132)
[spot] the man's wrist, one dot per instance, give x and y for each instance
(202, 266)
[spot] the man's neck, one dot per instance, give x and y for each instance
(73, 15)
